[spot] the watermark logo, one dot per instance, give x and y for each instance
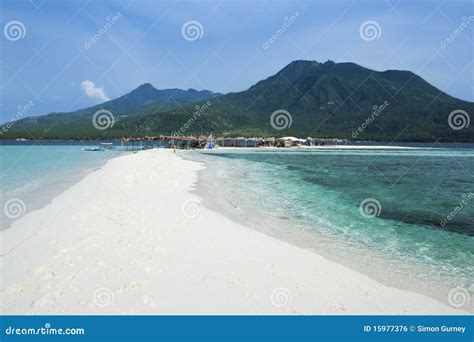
(280, 297)
(199, 110)
(281, 119)
(14, 208)
(21, 111)
(103, 297)
(287, 22)
(370, 30)
(192, 208)
(47, 329)
(103, 119)
(458, 119)
(457, 209)
(109, 22)
(465, 22)
(14, 30)
(370, 207)
(377, 110)
(192, 30)
(459, 297)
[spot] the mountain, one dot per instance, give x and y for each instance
(328, 99)
(146, 95)
(78, 124)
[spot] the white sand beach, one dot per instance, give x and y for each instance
(131, 238)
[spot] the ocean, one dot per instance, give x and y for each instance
(32, 173)
(403, 216)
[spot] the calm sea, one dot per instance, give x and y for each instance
(32, 173)
(403, 216)
(387, 212)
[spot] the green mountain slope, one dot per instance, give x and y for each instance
(328, 99)
(79, 124)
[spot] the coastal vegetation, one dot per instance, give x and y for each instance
(324, 100)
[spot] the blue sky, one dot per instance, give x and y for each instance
(53, 66)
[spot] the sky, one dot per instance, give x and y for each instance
(59, 56)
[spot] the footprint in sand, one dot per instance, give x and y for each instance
(49, 275)
(41, 269)
(137, 284)
(15, 289)
(148, 301)
(45, 300)
(132, 286)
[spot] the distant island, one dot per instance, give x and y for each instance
(326, 100)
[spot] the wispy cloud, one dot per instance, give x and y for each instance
(94, 92)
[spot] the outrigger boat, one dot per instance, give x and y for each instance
(101, 147)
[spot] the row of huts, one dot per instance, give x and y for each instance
(190, 142)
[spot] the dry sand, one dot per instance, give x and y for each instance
(130, 238)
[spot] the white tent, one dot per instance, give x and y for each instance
(293, 139)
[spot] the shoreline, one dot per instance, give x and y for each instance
(44, 194)
(404, 278)
(141, 242)
(38, 202)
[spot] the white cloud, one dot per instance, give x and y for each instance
(95, 93)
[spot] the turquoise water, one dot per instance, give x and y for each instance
(308, 194)
(313, 198)
(35, 173)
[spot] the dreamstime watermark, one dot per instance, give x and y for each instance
(103, 297)
(14, 208)
(109, 22)
(192, 208)
(458, 119)
(287, 22)
(459, 297)
(457, 209)
(281, 119)
(465, 22)
(21, 111)
(370, 207)
(370, 30)
(103, 119)
(200, 110)
(192, 30)
(377, 110)
(46, 330)
(280, 297)
(14, 30)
